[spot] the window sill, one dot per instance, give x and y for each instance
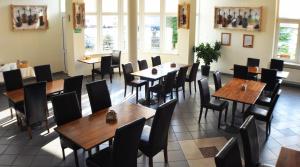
(292, 65)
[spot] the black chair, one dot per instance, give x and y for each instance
(208, 103)
(104, 69)
(166, 87)
(124, 151)
(217, 80)
(240, 72)
(142, 64)
(130, 80)
(156, 61)
(74, 84)
(66, 109)
(43, 73)
(277, 64)
(269, 77)
(193, 77)
(252, 62)
(180, 81)
(12, 81)
(98, 95)
(116, 60)
(35, 110)
(265, 99)
(155, 138)
(229, 155)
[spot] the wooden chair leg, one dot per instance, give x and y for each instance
(120, 70)
(206, 112)
(166, 154)
(63, 153)
(183, 91)
(195, 85)
(29, 132)
(132, 90)
(150, 161)
(110, 76)
(47, 126)
(137, 94)
(225, 119)
(76, 158)
(177, 94)
(190, 85)
(125, 90)
(219, 121)
(11, 113)
(200, 115)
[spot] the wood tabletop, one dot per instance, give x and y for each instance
(92, 130)
(257, 70)
(162, 70)
(288, 158)
(51, 87)
(92, 60)
(233, 91)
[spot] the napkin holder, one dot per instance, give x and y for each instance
(154, 71)
(111, 117)
(244, 87)
(173, 65)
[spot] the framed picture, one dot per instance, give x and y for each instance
(184, 16)
(226, 39)
(29, 17)
(78, 16)
(248, 41)
(240, 18)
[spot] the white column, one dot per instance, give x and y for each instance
(132, 32)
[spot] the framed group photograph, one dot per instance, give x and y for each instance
(29, 17)
(248, 41)
(226, 39)
(78, 16)
(184, 16)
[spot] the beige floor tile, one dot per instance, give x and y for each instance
(207, 162)
(190, 150)
(209, 142)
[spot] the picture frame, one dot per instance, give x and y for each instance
(78, 16)
(248, 41)
(184, 16)
(226, 39)
(28, 17)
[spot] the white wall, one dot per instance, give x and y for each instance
(37, 47)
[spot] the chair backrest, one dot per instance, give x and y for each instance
(240, 71)
(156, 61)
(269, 76)
(13, 80)
(74, 84)
(65, 108)
(277, 64)
(127, 70)
(116, 57)
(273, 104)
(250, 142)
(142, 64)
(180, 79)
(43, 73)
(217, 80)
(252, 62)
(98, 95)
(204, 91)
(169, 82)
(193, 72)
(160, 126)
(106, 64)
(229, 155)
(126, 143)
(35, 101)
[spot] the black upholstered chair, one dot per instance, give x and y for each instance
(124, 150)
(229, 155)
(252, 62)
(12, 81)
(265, 99)
(104, 69)
(74, 84)
(116, 60)
(43, 73)
(269, 76)
(180, 81)
(208, 103)
(98, 95)
(66, 109)
(192, 77)
(35, 110)
(217, 80)
(155, 138)
(277, 64)
(240, 71)
(130, 80)
(142, 64)
(156, 61)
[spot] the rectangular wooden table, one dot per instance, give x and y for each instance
(233, 91)
(90, 131)
(92, 61)
(288, 158)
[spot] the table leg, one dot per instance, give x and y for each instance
(233, 112)
(90, 153)
(93, 77)
(147, 93)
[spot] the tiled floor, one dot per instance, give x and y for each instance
(186, 136)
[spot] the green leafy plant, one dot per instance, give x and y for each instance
(208, 52)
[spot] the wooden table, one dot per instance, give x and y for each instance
(90, 131)
(257, 70)
(52, 87)
(288, 158)
(92, 61)
(233, 91)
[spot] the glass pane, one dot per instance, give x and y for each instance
(152, 33)
(289, 9)
(109, 5)
(90, 6)
(125, 6)
(110, 32)
(171, 35)
(62, 6)
(90, 33)
(287, 42)
(152, 6)
(171, 6)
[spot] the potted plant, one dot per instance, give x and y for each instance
(208, 53)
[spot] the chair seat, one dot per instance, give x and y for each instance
(217, 104)
(259, 113)
(102, 158)
(137, 82)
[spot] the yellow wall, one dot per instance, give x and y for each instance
(38, 47)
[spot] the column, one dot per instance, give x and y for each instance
(132, 32)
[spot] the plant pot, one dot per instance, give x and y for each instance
(205, 70)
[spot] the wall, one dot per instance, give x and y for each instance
(38, 47)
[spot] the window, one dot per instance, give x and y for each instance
(287, 43)
(91, 30)
(110, 32)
